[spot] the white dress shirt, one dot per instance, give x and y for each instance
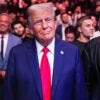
(63, 30)
(5, 43)
(50, 54)
(63, 33)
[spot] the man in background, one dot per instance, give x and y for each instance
(91, 62)
(7, 41)
(85, 29)
(21, 30)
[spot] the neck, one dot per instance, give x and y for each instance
(82, 39)
(65, 24)
(3, 33)
(45, 43)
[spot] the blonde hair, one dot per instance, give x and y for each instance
(36, 7)
(42, 6)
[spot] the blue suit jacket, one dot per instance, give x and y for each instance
(12, 41)
(59, 31)
(23, 82)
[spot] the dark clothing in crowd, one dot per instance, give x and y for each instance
(91, 61)
(80, 45)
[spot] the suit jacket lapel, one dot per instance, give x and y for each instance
(34, 65)
(9, 45)
(58, 62)
(1, 61)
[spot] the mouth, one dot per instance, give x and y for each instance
(1, 26)
(20, 32)
(45, 32)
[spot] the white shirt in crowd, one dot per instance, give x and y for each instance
(5, 43)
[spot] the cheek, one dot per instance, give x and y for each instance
(83, 30)
(8, 26)
(36, 29)
(15, 31)
(36, 32)
(54, 26)
(86, 31)
(22, 29)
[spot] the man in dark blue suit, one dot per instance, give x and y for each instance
(23, 79)
(66, 22)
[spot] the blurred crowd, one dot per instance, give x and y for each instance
(74, 8)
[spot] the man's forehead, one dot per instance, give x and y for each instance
(18, 24)
(5, 14)
(5, 17)
(42, 14)
(89, 21)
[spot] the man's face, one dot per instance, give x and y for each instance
(70, 37)
(64, 18)
(94, 20)
(19, 29)
(44, 25)
(4, 24)
(87, 28)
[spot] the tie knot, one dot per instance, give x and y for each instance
(45, 50)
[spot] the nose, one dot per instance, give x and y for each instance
(3, 22)
(44, 24)
(92, 27)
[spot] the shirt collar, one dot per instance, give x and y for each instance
(5, 36)
(51, 46)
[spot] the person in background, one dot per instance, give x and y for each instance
(96, 26)
(20, 30)
(70, 34)
(45, 68)
(85, 29)
(97, 9)
(7, 41)
(91, 63)
(78, 13)
(60, 31)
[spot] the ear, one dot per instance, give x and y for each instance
(79, 29)
(55, 24)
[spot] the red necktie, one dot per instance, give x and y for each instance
(45, 75)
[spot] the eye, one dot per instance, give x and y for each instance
(6, 22)
(37, 22)
(49, 19)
